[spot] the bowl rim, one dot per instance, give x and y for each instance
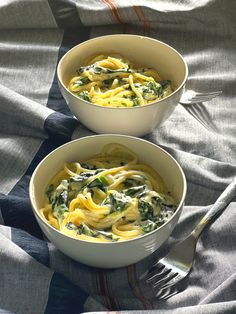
(122, 35)
(90, 137)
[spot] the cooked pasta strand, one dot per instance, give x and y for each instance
(110, 197)
(113, 81)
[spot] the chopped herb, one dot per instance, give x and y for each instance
(77, 183)
(61, 194)
(83, 69)
(126, 70)
(98, 170)
(60, 199)
(152, 90)
(104, 180)
(156, 200)
(135, 191)
(122, 81)
(108, 82)
(100, 183)
(69, 225)
(148, 226)
(163, 217)
(82, 81)
(84, 229)
(156, 87)
(145, 209)
(165, 83)
(86, 166)
(129, 182)
(135, 102)
(60, 210)
(49, 192)
(108, 236)
(99, 70)
(162, 203)
(166, 207)
(84, 95)
(117, 202)
(81, 177)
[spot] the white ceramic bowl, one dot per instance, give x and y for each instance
(112, 254)
(141, 50)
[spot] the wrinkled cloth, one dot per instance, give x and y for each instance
(35, 277)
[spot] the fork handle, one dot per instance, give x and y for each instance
(223, 200)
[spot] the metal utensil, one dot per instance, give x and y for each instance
(177, 264)
(191, 97)
(192, 101)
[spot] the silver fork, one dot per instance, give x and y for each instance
(166, 273)
(191, 97)
(192, 101)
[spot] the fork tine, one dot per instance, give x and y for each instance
(157, 276)
(165, 281)
(155, 267)
(211, 93)
(199, 113)
(161, 293)
(173, 281)
(165, 294)
(203, 98)
(191, 97)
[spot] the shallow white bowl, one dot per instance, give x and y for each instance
(114, 254)
(141, 50)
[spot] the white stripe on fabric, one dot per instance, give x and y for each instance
(14, 164)
(4, 230)
(32, 279)
(15, 14)
(28, 61)
(27, 67)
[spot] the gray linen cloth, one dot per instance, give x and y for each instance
(34, 276)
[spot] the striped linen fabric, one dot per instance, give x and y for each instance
(35, 277)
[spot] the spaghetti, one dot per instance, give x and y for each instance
(112, 81)
(110, 197)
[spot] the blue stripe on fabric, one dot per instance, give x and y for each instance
(16, 212)
(60, 125)
(15, 207)
(36, 248)
(64, 297)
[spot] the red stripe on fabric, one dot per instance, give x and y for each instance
(103, 288)
(145, 22)
(114, 301)
(141, 16)
(134, 285)
(115, 13)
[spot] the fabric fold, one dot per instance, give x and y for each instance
(36, 278)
